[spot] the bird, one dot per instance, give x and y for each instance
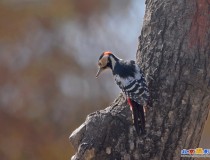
(130, 79)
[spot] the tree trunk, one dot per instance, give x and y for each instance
(174, 51)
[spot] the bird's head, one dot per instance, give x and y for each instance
(106, 61)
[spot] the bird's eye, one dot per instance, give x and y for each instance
(99, 63)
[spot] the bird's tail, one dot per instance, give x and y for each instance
(138, 117)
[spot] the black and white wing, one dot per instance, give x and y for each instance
(135, 86)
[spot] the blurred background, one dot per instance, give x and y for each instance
(48, 55)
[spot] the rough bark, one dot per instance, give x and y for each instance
(174, 51)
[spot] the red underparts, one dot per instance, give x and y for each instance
(130, 104)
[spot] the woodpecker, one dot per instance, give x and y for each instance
(130, 79)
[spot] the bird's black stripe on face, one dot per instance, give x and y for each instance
(101, 56)
(109, 63)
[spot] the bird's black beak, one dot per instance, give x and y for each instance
(99, 71)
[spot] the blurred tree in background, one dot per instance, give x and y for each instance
(48, 55)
